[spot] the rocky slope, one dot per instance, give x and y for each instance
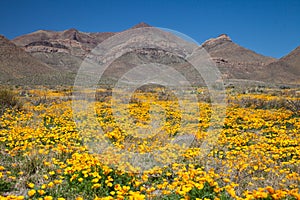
(234, 61)
(61, 53)
(16, 64)
(69, 41)
(285, 70)
(63, 50)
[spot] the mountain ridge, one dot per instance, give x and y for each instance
(65, 50)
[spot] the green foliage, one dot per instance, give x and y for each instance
(206, 192)
(172, 196)
(6, 186)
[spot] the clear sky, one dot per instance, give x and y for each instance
(269, 27)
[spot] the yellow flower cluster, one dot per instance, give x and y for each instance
(256, 154)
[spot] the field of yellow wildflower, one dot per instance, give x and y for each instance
(49, 152)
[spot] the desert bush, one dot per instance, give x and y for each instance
(293, 105)
(8, 99)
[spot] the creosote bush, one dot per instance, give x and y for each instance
(8, 99)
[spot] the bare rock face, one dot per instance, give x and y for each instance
(70, 41)
(63, 50)
(141, 25)
(216, 41)
(72, 34)
(45, 46)
(40, 35)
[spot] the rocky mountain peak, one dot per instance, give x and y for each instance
(218, 40)
(223, 37)
(141, 25)
(71, 31)
(72, 34)
(5, 43)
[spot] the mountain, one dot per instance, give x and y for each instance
(141, 25)
(70, 39)
(285, 70)
(17, 64)
(62, 50)
(234, 61)
(55, 56)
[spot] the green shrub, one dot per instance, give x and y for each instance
(6, 186)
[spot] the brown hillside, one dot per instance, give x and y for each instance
(15, 63)
(43, 53)
(234, 61)
(286, 69)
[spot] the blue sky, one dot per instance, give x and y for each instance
(269, 27)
